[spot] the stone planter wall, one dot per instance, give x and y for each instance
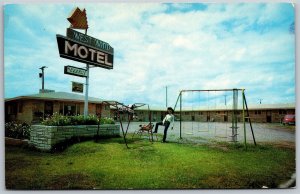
(45, 137)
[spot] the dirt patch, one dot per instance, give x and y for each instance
(280, 127)
(284, 144)
(16, 142)
(219, 147)
(15, 163)
(72, 181)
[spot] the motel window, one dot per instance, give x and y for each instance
(20, 107)
(78, 109)
(38, 109)
(11, 109)
(71, 109)
(98, 109)
(257, 112)
(186, 113)
(238, 112)
(282, 112)
(61, 108)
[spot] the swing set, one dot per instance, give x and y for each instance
(122, 111)
(213, 114)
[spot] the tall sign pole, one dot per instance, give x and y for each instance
(86, 99)
(80, 47)
(78, 19)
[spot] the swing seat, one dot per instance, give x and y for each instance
(144, 129)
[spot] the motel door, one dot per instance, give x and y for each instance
(269, 117)
(208, 117)
(193, 117)
(226, 116)
(99, 108)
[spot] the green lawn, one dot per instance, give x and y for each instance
(108, 164)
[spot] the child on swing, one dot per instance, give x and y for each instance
(169, 118)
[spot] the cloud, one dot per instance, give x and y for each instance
(182, 46)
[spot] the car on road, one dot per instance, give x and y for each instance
(289, 119)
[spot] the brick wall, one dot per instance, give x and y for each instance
(45, 137)
(26, 114)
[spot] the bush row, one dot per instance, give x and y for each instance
(61, 120)
(17, 130)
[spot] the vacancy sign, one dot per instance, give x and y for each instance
(77, 87)
(75, 71)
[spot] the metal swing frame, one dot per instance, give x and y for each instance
(234, 112)
(120, 107)
(146, 128)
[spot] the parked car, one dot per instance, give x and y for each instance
(289, 119)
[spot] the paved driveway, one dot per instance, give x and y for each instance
(203, 131)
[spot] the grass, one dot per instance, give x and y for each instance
(108, 164)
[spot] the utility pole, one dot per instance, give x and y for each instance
(260, 100)
(166, 96)
(225, 99)
(42, 75)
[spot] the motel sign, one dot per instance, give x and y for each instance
(83, 48)
(91, 41)
(77, 51)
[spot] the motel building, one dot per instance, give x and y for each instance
(32, 109)
(260, 113)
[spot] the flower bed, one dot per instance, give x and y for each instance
(17, 130)
(59, 128)
(46, 137)
(62, 120)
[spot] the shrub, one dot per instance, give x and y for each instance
(17, 130)
(91, 120)
(61, 120)
(77, 120)
(107, 120)
(57, 120)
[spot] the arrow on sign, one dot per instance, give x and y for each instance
(78, 19)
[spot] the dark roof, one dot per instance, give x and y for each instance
(60, 96)
(223, 108)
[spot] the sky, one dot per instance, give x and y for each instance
(158, 45)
